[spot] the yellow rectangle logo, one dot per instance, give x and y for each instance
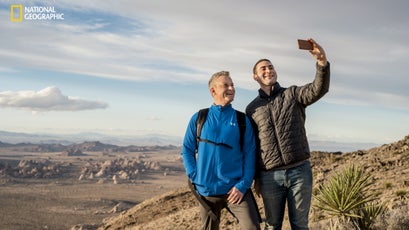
(19, 9)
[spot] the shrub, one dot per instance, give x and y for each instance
(347, 197)
(368, 215)
(388, 185)
(395, 219)
(401, 193)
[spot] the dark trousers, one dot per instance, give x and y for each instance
(246, 212)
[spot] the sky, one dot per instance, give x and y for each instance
(133, 67)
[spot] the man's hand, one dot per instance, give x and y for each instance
(318, 53)
(235, 196)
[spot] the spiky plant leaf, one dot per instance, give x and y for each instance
(345, 192)
(368, 215)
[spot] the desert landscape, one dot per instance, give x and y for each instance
(41, 188)
(97, 186)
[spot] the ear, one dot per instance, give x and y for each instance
(212, 91)
(255, 77)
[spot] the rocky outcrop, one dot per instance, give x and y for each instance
(34, 169)
(121, 170)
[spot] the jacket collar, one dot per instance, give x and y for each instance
(220, 108)
(275, 89)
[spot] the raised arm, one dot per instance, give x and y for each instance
(318, 53)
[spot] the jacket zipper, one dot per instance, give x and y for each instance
(270, 105)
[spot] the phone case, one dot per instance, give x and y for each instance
(304, 44)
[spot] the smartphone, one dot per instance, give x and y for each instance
(304, 45)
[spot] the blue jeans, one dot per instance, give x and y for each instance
(293, 186)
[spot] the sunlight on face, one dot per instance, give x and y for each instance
(265, 74)
(222, 90)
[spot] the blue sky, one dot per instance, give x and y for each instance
(141, 67)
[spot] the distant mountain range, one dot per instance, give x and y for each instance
(333, 146)
(148, 140)
(68, 139)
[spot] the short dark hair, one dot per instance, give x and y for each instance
(255, 65)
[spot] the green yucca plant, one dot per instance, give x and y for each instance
(345, 195)
(368, 215)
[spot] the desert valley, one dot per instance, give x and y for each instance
(57, 187)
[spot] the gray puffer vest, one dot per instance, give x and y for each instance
(279, 119)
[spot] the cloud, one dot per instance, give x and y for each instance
(153, 118)
(186, 42)
(47, 99)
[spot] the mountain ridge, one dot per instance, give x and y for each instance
(92, 146)
(149, 140)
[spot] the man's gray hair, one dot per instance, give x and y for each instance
(217, 76)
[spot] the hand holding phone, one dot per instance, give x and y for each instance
(305, 45)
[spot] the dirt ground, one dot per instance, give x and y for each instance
(61, 203)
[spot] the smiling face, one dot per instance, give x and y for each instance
(265, 74)
(222, 89)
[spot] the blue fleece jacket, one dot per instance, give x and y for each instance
(216, 168)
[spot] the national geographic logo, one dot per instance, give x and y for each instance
(34, 13)
(16, 8)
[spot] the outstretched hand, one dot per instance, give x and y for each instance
(318, 53)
